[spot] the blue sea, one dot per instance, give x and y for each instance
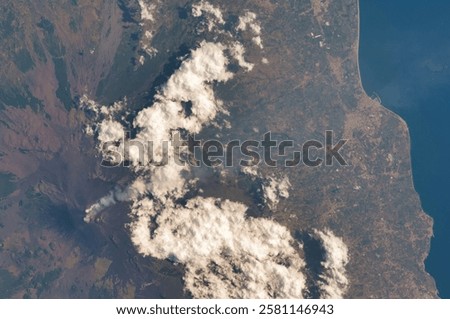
(405, 59)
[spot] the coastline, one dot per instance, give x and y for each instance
(424, 214)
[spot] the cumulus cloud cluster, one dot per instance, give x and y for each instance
(146, 10)
(334, 280)
(226, 254)
(105, 114)
(238, 51)
(275, 188)
(213, 13)
(249, 22)
(109, 111)
(147, 23)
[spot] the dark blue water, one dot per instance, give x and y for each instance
(405, 59)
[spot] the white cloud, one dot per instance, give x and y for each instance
(226, 255)
(191, 82)
(103, 111)
(141, 60)
(237, 51)
(251, 171)
(148, 24)
(146, 41)
(110, 130)
(258, 41)
(146, 10)
(283, 187)
(334, 280)
(167, 182)
(213, 13)
(275, 188)
(249, 22)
